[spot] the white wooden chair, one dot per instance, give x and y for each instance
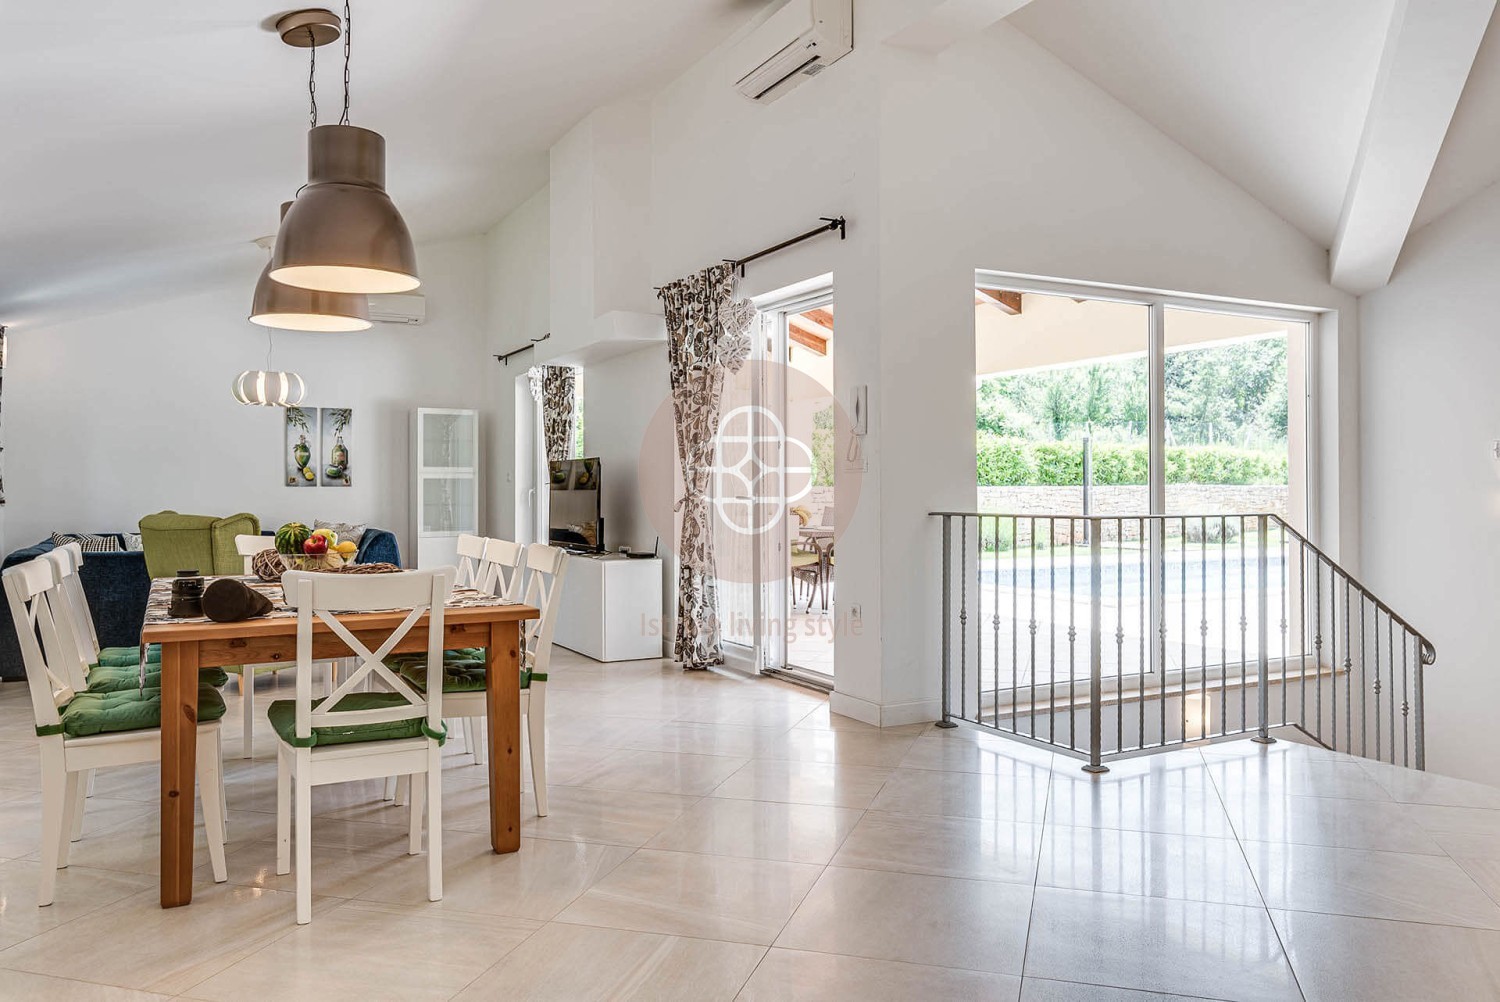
(470, 560)
(464, 689)
(355, 735)
(79, 731)
(502, 572)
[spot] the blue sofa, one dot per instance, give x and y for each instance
(117, 585)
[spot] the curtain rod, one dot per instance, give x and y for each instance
(525, 347)
(830, 224)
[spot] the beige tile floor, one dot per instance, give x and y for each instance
(718, 837)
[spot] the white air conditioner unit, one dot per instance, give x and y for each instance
(398, 308)
(792, 45)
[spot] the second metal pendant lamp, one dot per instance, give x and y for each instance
(343, 234)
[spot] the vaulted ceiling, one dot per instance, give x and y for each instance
(150, 143)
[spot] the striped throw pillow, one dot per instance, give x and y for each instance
(86, 542)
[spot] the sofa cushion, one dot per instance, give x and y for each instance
(89, 542)
(132, 710)
(283, 715)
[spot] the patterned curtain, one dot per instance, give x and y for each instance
(708, 334)
(552, 386)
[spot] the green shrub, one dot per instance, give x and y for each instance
(1015, 462)
(1004, 462)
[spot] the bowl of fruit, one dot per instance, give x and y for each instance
(304, 549)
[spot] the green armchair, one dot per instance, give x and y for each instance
(176, 542)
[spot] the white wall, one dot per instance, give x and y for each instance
(517, 273)
(112, 417)
(992, 155)
(1429, 419)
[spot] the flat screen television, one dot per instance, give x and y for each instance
(575, 514)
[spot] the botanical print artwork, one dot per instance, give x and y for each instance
(300, 451)
(333, 462)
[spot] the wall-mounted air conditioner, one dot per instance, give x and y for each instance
(399, 308)
(792, 45)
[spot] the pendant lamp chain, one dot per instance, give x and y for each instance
(312, 79)
(348, 35)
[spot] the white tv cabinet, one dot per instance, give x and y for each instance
(610, 608)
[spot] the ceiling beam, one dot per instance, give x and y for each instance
(933, 25)
(1429, 51)
(1006, 302)
(807, 335)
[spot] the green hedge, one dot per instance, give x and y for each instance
(1014, 462)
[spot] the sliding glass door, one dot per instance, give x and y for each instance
(1108, 404)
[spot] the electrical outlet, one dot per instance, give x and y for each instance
(856, 612)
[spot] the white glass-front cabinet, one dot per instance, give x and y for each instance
(445, 482)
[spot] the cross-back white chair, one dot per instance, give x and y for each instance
(40, 610)
(249, 546)
(337, 739)
(544, 569)
(470, 560)
(502, 572)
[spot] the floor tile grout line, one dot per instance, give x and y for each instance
(1265, 908)
(1037, 872)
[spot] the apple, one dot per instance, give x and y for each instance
(315, 546)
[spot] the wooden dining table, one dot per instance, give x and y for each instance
(470, 619)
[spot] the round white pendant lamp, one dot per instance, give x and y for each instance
(269, 388)
(290, 308)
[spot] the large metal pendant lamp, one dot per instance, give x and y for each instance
(294, 309)
(343, 233)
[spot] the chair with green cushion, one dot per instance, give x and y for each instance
(80, 731)
(353, 735)
(464, 692)
(204, 543)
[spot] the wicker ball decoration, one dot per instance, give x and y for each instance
(268, 565)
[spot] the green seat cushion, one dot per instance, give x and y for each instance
(283, 714)
(459, 677)
(131, 710)
(121, 656)
(104, 678)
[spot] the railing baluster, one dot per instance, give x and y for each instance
(963, 618)
(995, 692)
(1119, 634)
(1203, 631)
(1072, 639)
(1364, 684)
(1405, 705)
(1284, 557)
(1318, 642)
(1244, 626)
(1349, 677)
(1223, 625)
(1096, 648)
(1419, 722)
(947, 620)
(1302, 632)
(1376, 692)
(1262, 531)
(1144, 605)
(1052, 629)
(1183, 536)
(1015, 618)
(1032, 547)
